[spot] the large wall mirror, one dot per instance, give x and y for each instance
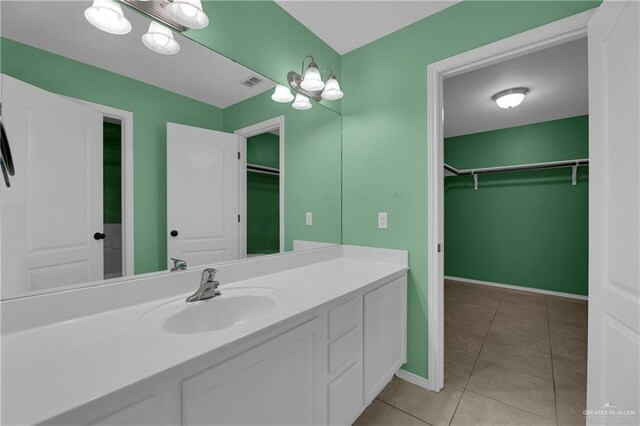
(126, 158)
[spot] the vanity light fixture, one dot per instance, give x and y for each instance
(160, 39)
(282, 94)
(189, 13)
(107, 15)
(332, 90)
(309, 84)
(510, 98)
(301, 103)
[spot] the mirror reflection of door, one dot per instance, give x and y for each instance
(62, 216)
(263, 193)
(202, 195)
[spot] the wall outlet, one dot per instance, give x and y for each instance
(382, 220)
(308, 218)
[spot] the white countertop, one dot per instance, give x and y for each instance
(51, 369)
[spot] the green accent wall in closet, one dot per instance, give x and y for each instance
(526, 228)
(385, 131)
(112, 172)
(263, 196)
(152, 108)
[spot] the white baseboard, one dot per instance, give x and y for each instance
(413, 378)
(519, 288)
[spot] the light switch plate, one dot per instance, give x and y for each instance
(382, 220)
(308, 218)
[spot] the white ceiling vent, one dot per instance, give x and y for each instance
(252, 81)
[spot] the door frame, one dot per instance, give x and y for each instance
(126, 120)
(243, 134)
(544, 37)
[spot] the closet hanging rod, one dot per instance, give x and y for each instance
(262, 169)
(531, 166)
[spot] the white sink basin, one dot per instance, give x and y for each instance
(233, 308)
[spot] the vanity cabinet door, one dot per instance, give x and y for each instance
(385, 335)
(275, 383)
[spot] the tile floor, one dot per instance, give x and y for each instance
(511, 358)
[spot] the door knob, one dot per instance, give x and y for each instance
(174, 233)
(99, 236)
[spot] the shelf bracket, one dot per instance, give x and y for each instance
(574, 174)
(475, 181)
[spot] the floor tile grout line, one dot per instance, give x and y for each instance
(553, 373)
(510, 405)
(401, 410)
(484, 339)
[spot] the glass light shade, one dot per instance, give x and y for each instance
(312, 80)
(510, 98)
(301, 103)
(160, 39)
(282, 94)
(107, 15)
(332, 90)
(189, 13)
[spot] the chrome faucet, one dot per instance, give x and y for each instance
(208, 287)
(178, 265)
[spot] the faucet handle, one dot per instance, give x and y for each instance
(178, 265)
(208, 274)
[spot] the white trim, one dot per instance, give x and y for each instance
(544, 37)
(126, 118)
(243, 134)
(518, 288)
(413, 378)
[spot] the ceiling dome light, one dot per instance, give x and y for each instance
(301, 103)
(189, 13)
(160, 39)
(332, 90)
(510, 98)
(282, 94)
(312, 80)
(107, 15)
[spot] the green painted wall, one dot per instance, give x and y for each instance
(112, 172)
(313, 172)
(264, 150)
(263, 196)
(385, 131)
(262, 36)
(526, 228)
(151, 106)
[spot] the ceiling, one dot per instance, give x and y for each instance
(196, 72)
(557, 79)
(347, 25)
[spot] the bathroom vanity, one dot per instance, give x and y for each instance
(299, 338)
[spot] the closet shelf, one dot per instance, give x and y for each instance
(531, 166)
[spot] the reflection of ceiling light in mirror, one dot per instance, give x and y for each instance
(160, 39)
(301, 103)
(107, 15)
(189, 13)
(332, 90)
(312, 80)
(510, 98)
(282, 94)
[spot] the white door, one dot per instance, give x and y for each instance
(202, 195)
(54, 205)
(614, 213)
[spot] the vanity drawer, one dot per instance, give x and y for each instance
(344, 396)
(344, 317)
(346, 348)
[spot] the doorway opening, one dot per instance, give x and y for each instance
(112, 197)
(261, 181)
(263, 193)
(505, 310)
